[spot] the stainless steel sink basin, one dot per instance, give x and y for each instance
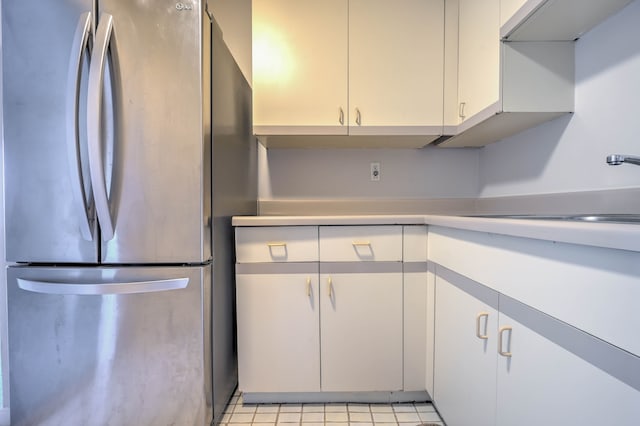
(599, 218)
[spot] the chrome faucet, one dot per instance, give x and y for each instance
(617, 159)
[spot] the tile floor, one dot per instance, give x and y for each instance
(411, 414)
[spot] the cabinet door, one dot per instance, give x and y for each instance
(300, 66)
(542, 381)
(396, 58)
(465, 364)
(361, 331)
(478, 56)
(278, 331)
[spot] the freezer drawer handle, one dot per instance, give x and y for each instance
(83, 201)
(94, 123)
(78, 289)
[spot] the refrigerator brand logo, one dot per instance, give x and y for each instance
(184, 6)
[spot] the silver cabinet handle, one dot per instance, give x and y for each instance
(500, 335)
(88, 289)
(361, 243)
(481, 315)
(308, 286)
(341, 117)
(330, 287)
(461, 109)
(83, 201)
(358, 117)
(94, 121)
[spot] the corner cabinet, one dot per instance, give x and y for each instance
(465, 351)
(509, 363)
(363, 68)
(321, 311)
(505, 87)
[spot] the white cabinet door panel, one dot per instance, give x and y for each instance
(543, 382)
(395, 63)
(278, 332)
(465, 365)
(361, 322)
(300, 64)
(478, 55)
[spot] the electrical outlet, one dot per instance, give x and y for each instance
(375, 172)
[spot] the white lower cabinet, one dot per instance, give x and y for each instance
(278, 330)
(465, 352)
(518, 366)
(544, 382)
(327, 320)
(361, 330)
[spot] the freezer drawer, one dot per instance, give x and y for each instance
(116, 346)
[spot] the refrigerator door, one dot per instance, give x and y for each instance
(109, 346)
(45, 48)
(157, 174)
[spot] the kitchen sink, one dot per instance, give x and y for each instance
(599, 218)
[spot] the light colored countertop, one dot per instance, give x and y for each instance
(609, 235)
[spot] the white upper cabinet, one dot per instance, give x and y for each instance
(299, 67)
(369, 68)
(505, 87)
(552, 20)
(395, 66)
(478, 56)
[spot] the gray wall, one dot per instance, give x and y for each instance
(4, 377)
(344, 174)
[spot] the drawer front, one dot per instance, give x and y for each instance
(360, 243)
(277, 244)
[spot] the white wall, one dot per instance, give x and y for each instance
(569, 153)
(344, 173)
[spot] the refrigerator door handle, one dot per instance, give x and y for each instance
(94, 124)
(83, 289)
(83, 200)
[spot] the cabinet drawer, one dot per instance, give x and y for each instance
(277, 244)
(360, 243)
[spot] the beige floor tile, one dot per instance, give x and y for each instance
(384, 418)
(360, 417)
(312, 417)
(407, 417)
(336, 417)
(289, 417)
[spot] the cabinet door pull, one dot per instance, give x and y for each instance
(276, 244)
(461, 109)
(361, 243)
(358, 117)
(500, 334)
(341, 117)
(330, 287)
(484, 336)
(308, 286)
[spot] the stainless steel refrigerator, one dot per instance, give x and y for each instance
(127, 148)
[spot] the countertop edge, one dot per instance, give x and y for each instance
(607, 235)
